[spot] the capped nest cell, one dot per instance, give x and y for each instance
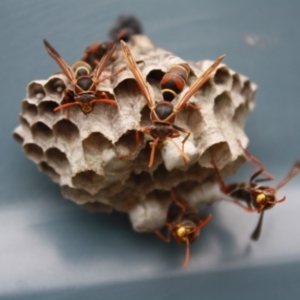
(82, 152)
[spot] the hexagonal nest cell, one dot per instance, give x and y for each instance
(96, 158)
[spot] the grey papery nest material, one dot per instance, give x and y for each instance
(81, 153)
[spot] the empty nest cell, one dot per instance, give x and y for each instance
(66, 132)
(222, 76)
(41, 133)
(58, 160)
(29, 111)
(95, 144)
(34, 152)
(88, 181)
(223, 107)
(236, 83)
(46, 109)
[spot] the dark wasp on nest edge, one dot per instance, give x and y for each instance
(124, 28)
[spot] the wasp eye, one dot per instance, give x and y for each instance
(260, 198)
(181, 232)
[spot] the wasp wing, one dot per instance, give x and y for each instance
(102, 63)
(137, 75)
(67, 70)
(197, 84)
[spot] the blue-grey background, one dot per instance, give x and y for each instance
(51, 249)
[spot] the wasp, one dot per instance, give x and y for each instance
(84, 81)
(257, 197)
(182, 224)
(163, 113)
(174, 81)
(94, 53)
(128, 22)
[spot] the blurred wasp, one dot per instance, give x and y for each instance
(95, 52)
(85, 83)
(164, 112)
(257, 197)
(182, 224)
(174, 81)
(128, 22)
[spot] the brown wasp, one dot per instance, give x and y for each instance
(94, 53)
(257, 197)
(164, 112)
(174, 81)
(182, 224)
(85, 83)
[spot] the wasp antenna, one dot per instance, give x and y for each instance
(187, 254)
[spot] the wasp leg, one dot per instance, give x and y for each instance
(145, 130)
(254, 160)
(184, 156)
(157, 232)
(69, 99)
(184, 205)
(188, 133)
(107, 101)
(294, 171)
(202, 223)
(220, 178)
(247, 208)
(254, 178)
(153, 146)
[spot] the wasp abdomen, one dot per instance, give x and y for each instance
(81, 68)
(174, 81)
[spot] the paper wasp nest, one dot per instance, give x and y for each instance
(81, 153)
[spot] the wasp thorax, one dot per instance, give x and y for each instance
(163, 110)
(85, 83)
